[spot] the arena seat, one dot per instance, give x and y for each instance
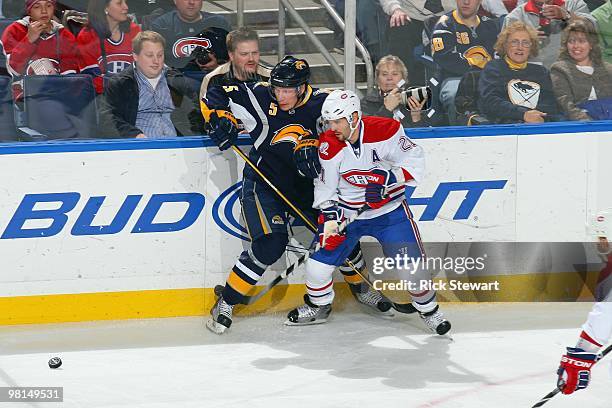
(8, 131)
(4, 22)
(59, 107)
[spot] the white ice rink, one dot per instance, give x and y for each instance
(502, 355)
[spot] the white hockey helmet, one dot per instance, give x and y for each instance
(342, 104)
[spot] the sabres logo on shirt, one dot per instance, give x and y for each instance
(183, 47)
(477, 56)
(290, 133)
(524, 93)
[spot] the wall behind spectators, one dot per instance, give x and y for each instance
(146, 228)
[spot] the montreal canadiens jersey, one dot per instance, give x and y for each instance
(182, 37)
(274, 132)
(347, 170)
(118, 54)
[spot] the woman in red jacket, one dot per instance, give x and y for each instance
(109, 21)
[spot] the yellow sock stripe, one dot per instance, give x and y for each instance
(239, 284)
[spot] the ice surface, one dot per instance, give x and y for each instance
(502, 355)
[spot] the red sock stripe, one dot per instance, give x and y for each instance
(419, 294)
(415, 228)
(321, 288)
(588, 338)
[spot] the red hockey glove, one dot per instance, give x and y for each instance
(329, 222)
(575, 370)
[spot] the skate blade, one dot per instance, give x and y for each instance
(215, 327)
(318, 321)
(374, 311)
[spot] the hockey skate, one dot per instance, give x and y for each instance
(220, 316)
(308, 313)
(371, 298)
(436, 322)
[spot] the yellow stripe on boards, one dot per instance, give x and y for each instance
(198, 302)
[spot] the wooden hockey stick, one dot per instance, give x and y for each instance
(558, 390)
(401, 307)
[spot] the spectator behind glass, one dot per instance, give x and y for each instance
(244, 66)
(511, 89)
(406, 19)
(181, 27)
(148, 99)
(109, 21)
(390, 70)
(580, 75)
(461, 41)
(603, 15)
(549, 18)
(37, 45)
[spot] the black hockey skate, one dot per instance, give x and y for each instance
(308, 313)
(220, 316)
(436, 322)
(367, 296)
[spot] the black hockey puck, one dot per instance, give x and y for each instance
(55, 362)
(219, 290)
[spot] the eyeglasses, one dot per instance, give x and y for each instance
(523, 43)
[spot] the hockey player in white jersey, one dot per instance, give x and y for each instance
(574, 372)
(364, 161)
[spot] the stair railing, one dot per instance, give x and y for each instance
(282, 25)
(240, 13)
(350, 11)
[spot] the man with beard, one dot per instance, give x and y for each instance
(243, 65)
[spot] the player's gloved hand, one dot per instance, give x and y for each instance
(575, 370)
(306, 157)
(329, 222)
(223, 130)
(376, 189)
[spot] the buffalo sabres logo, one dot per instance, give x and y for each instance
(183, 47)
(300, 65)
(477, 56)
(524, 93)
(290, 133)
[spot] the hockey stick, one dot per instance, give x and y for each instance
(402, 308)
(558, 390)
(247, 300)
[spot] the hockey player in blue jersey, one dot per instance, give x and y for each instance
(366, 161)
(281, 118)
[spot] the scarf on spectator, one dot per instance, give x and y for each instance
(30, 3)
(513, 65)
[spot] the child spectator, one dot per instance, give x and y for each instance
(109, 22)
(37, 45)
(580, 75)
(511, 89)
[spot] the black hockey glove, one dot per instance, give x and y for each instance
(306, 157)
(223, 131)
